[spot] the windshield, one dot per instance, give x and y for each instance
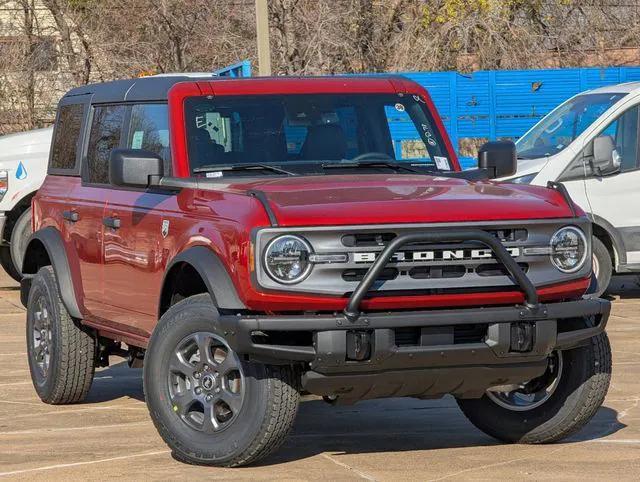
(306, 133)
(558, 129)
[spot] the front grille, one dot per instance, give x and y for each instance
(433, 272)
(421, 268)
(357, 274)
(497, 269)
(362, 240)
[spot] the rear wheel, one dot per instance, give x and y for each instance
(11, 256)
(210, 406)
(61, 353)
(7, 263)
(552, 406)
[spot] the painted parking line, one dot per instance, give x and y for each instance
(72, 429)
(78, 464)
(13, 402)
(142, 407)
(630, 441)
(15, 383)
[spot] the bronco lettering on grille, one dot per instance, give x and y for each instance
(434, 255)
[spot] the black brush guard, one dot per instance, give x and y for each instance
(352, 311)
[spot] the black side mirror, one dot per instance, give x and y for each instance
(606, 160)
(135, 168)
(498, 158)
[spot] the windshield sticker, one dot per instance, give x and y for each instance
(136, 140)
(417, 98)
(400, 107)
(442, 163)
(201, 122)
(214, 174)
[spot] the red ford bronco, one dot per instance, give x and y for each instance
(249, 240)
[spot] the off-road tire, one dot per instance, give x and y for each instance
(7, 263)
(72, 359)
(19, 238)
(581, 390)
(600, 283)
(267, 414)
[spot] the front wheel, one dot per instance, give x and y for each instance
(552, 406)
(210, 406)
(602, 269)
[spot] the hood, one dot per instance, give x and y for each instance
(528, 166)
(386, 199)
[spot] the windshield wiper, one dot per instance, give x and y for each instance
(359, 164)
(242, 167)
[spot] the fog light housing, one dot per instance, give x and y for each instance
(358, 345)
(522, 337)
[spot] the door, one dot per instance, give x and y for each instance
(615, 197)
(135, 245)
(64, 173)
(88, 200)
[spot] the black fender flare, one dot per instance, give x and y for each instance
(212, 271)
(616, 238)
(51, 239)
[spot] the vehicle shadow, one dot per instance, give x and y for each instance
(372, 426)
(116, 381)
(624, 287)
(398, 425)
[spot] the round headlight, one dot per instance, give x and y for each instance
(286, 259)
(568, 249)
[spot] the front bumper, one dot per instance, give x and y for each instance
(355, 355)
(434, 364)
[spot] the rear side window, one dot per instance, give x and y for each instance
(106, 129)
(67, 137)
(149, 130)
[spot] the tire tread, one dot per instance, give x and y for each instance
(76, 351)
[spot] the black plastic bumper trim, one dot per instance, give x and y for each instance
(329, 330)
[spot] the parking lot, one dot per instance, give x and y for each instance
(111, 435)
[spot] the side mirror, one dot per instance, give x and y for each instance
(606, 160)
(135, 168)
(498, 158)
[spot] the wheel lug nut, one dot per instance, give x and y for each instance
(196, 375)
(206, 367)
(198, 390)
(208, 398)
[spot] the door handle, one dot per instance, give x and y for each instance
(71, 216)
(111, 222)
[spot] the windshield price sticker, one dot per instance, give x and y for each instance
(442, 163)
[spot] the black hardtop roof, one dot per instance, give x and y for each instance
(155, 88)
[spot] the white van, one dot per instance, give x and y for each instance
(590, 143)
(23, 167)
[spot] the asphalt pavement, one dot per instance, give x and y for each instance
(111, 435)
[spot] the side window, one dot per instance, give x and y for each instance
(625, 135)
(67, 137)
(149, 130)
(106, 128)
(621, 139)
